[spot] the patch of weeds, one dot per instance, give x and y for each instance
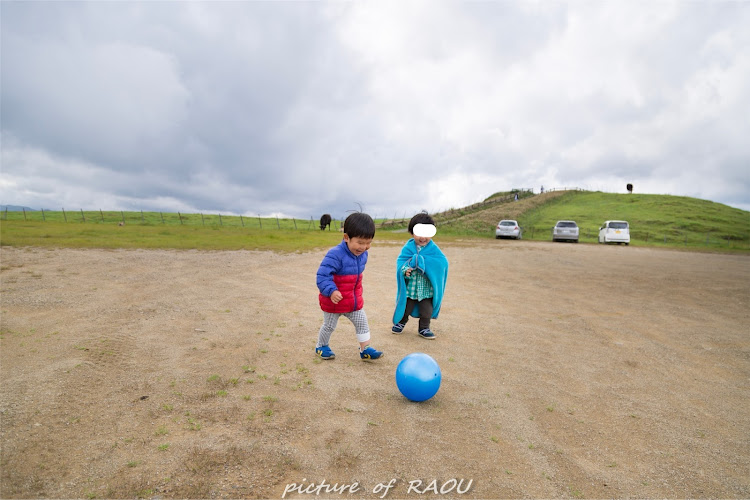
(167, 407)
(263, 377)
(193, 425)
(133, 463)
(495, 439)
(247, 397)
(276, 380)
(270, 399)
(348, 410)
(370, 422)
(163, 447)
(551, 408)
(301, 369)
(612, 465)
(221, 393)
(251, 417)
(214, 378)
(248, 369)
(531, 446)
(574, 492)
(264, 351)
(509, 473)
(234, 381)
(161, 431)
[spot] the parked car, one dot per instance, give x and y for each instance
(508, 229)
(615, 231)
(565, 230)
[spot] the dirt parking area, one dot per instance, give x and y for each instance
(580, 371)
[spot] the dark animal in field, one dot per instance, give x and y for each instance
(325, 220)
(629, 188)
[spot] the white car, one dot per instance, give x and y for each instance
(508, 229)
(615, 231)
(565, 230)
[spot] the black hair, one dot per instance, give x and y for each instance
(420, 218)
(359, 225)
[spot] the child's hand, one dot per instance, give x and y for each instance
(407, 273)
(336, 297)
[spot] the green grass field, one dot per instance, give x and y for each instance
(655, 220)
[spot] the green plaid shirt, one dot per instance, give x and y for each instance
(418, 286)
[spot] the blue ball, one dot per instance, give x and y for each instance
(418, 376)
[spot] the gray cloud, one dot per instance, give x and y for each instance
(304, 108)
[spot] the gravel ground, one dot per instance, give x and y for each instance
(567, 371)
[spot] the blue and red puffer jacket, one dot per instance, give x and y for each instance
(341, 270)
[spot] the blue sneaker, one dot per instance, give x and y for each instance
(427, 334)
(325, 352)
(370, 353)
(398, 328)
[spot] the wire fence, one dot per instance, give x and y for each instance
(170, 218)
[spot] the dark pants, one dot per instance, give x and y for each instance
(425, 312)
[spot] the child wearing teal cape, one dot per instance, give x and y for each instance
(421, 275)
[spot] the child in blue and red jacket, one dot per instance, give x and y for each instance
(339, 280)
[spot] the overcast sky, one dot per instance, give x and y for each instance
(302, 108)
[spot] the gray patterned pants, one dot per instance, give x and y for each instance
(330, 320)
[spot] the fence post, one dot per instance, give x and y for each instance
(180, 216)
(295, 223)
(64, 216)
(277, 223)
(44, 219)
(242, 221)
(102, 214)
(83, 216)
(260, 222)
(202, 219)
(142, 219)
(24, 214)
(122, 214)
(162, 217)
(220, 223)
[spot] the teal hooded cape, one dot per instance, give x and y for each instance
(433, 263)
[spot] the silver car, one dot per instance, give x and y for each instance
(508, 229)
(565, 230)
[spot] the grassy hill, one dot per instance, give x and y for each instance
(654, 219)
